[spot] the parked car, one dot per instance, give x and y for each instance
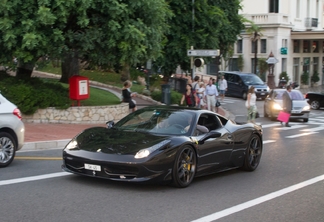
(12, 131)
(273, 105)
(316, 100)
(164, 144)
(239, 83)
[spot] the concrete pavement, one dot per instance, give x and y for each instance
(40, 136)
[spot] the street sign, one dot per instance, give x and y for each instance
(203, 52)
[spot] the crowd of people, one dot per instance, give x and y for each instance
(205, 96)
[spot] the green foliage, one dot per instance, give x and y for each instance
(216, 25)
(30, 95)
(304, 78)
(135, 73)
(315, 77)
(285, 76)
(175, 96)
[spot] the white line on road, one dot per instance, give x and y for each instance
(268, 141)
(299, 135)
(28, 179)
(251, 203)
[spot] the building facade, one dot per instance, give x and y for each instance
(291, 29)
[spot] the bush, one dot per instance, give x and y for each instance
(175, 96)
(304, 78)
(32, 94)
(315, 77)
(285, 76)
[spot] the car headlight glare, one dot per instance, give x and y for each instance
(73, 144)
(276, 106)
(147, 151)
(306, 108)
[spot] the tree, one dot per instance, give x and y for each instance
(206, 24)
(101, 32)
(255, 32)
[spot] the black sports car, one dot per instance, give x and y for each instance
(164, 143)
(315, 100)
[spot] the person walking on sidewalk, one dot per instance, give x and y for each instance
(287, 103)
(211, 95)
(189, 96)
(251, 105)
(222, 84)
(128, 95)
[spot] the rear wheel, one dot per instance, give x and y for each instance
(315, 104)
(305, 120)
(253, 153)
(7, 149)
(184, 168)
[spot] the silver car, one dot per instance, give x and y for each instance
(12, 131)
(273, 105)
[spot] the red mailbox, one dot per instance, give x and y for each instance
(79, 88)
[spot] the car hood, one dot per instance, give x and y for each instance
(297, 104)
(114, 141)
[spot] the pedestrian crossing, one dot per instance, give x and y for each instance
(314, 125)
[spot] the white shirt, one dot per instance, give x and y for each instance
(211, 90)
(222, 84)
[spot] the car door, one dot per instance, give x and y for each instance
(214, 152)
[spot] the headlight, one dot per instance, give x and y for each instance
(73, 144)
(268, 88)
(276, 106)
(147, 151)
(306, 108)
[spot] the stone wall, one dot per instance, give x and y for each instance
(79, 114)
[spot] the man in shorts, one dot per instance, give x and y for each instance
(222, 84)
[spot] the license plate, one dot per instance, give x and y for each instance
(262, 94)
(295, 111)
(92, 167)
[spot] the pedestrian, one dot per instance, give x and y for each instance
(189, 96)
(200, 95)
(251, 105)
(211, 95)
(222, 87)
(287, 103)
(195, 89)
(128, 95)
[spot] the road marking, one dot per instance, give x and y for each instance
(268, 141)
(33, 178)
(36, 158)
(290, 128)
(299, 135)
(314, 129)
(251, 203)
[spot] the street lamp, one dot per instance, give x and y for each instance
(271, 64)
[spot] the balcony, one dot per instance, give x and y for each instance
(268, 19)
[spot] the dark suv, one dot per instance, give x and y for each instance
(239, 83)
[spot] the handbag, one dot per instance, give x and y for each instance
(283, 116)
(217, 103)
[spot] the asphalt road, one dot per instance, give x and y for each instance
(287, 186)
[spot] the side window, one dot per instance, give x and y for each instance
(230, 77)
(210, 121)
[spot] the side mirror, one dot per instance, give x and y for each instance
(110, 124)
(211, 134)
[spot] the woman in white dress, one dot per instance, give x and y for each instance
(251, 105)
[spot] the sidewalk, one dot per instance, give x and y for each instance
(42, 136)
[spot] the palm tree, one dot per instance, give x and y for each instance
(255, 33)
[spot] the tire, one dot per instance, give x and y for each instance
(253, 153)
(315, 104)
(305, 120)
(184, 168)
(7, 149)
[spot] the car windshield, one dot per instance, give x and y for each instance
(159, 121)
(252, 80)
(294, 94)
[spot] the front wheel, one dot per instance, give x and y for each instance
(315, 104)
(253, 153)
(7, 149)
(184, 168)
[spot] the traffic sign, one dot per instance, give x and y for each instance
(203, 52)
